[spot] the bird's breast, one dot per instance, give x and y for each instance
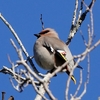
(43, 58)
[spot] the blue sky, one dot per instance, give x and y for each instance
(24, 16)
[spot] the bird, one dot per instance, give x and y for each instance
(50, 52)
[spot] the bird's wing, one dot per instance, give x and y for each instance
(62, 55)
(52, 44)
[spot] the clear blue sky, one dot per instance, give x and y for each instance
(24, 16)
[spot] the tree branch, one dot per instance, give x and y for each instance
(74, 28)
(19, 42)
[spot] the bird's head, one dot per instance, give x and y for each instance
(47, 32)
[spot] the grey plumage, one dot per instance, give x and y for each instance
(50, 52)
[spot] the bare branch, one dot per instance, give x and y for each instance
(78, 88)
(75, 13)
(85, 87)
(35, 87)
(49, 92)
(12, 42)
(80, 11)
(75, 28)
(22, 61)
(41, 84)
(7, 70)
(81, 57)
(88, 68)
(15, 35)
(89, 48)
(42, 22)
(19, 42)
(3, 93)
(83, 38)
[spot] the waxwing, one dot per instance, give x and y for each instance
(50, 52)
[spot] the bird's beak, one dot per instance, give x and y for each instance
(37, 35)
(73, 78)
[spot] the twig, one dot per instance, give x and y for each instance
(83, 38)
(78, 88)
(19, 42)
(45, 81)
(7, 70)
(49, 92)
(88, 68)
(90, 39)
(84, 91)
(17, 87)
(15, 35)
(75, 13)
(80, 11)
(75, 28)
(42, 22)
(22, 61)
(3, 93)
(80, 58)
(35, 87)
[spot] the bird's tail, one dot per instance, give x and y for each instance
(73, 78)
